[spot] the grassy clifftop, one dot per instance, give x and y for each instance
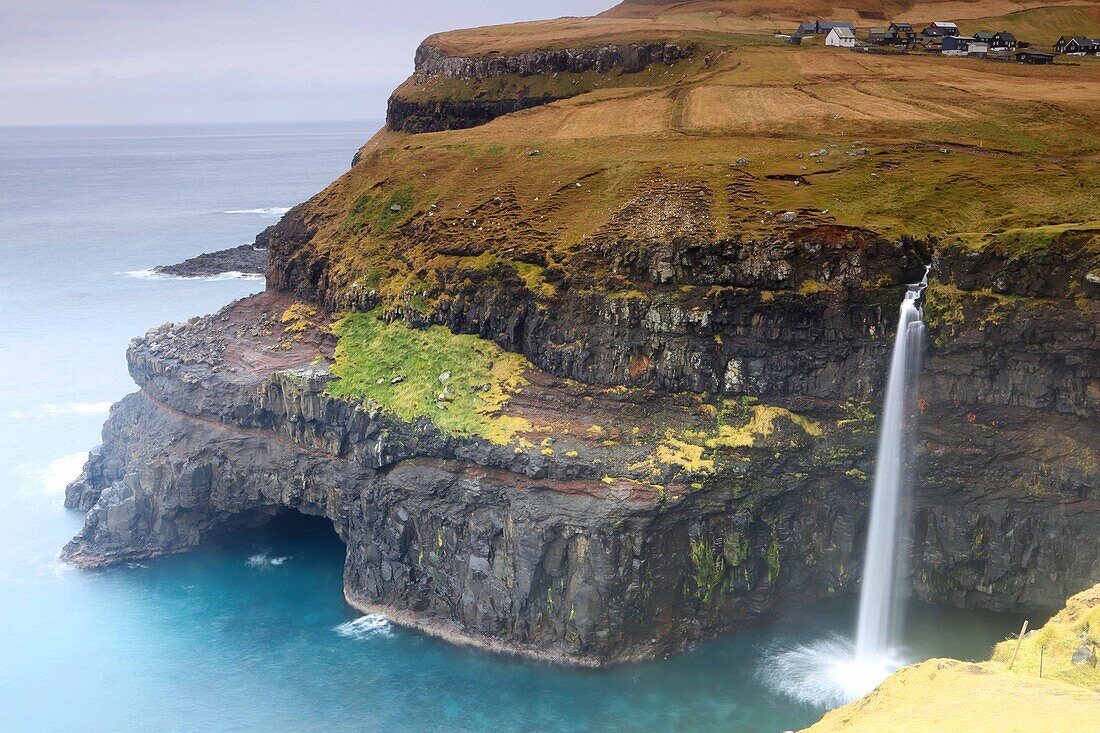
(718, 20)
(719, 145)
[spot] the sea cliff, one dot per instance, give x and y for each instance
(597, 380)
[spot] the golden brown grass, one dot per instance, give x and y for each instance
(952, 146)
(724, 20)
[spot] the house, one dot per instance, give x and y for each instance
(977, 48)
(1034, 57)
(1003, 41)
(955, 45)
(821, 27)
(964, 46)
(940, 29)
(843, 37)
(984, 36)
(878, 37)
(1077, 45)
(932, 45)
(824, 26)
(904, 34)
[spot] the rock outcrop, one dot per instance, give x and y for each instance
(411, 112)
(247, 259)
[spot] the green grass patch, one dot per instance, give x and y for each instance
(533, 278)
(1023, 240)
(460, 382)
(379, 213)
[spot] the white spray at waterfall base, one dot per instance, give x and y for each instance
(834, 671)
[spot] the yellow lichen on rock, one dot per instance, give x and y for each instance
(299, 317)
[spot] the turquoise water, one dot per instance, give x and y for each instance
(250, 635)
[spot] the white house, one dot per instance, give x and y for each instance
(843, 37)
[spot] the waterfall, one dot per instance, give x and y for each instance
(831, 672)
(879, 607)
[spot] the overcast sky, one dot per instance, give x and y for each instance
(128, 61)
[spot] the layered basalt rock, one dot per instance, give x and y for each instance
(521, 551)
(430, 60)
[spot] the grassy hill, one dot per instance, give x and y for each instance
(744, 129)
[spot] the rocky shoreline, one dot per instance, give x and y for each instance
(247, 259)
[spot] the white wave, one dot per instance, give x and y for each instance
(154, 274)
(64, 408)
(826, 673)
(267, 211)
(59, 472)
(365, 627)
(264, 560)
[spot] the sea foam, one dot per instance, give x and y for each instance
(266, 211)
(365, 627)
(57, 474)
(264, 560)
(153, 273)
(61, 409)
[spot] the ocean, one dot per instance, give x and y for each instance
(253, 634)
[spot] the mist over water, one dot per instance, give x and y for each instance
(252, 633)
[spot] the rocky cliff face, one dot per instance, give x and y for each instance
(631, 57)
(591, 555)
(408, 112)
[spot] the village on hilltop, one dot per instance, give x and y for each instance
(941, 37)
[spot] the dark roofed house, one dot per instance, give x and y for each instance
(1077, 45)
(821, 27)
(956, 45)
(1034, 57)
(904, 33)
(824, 26)
(1003, 41)
(940, 29)
(964, 46)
